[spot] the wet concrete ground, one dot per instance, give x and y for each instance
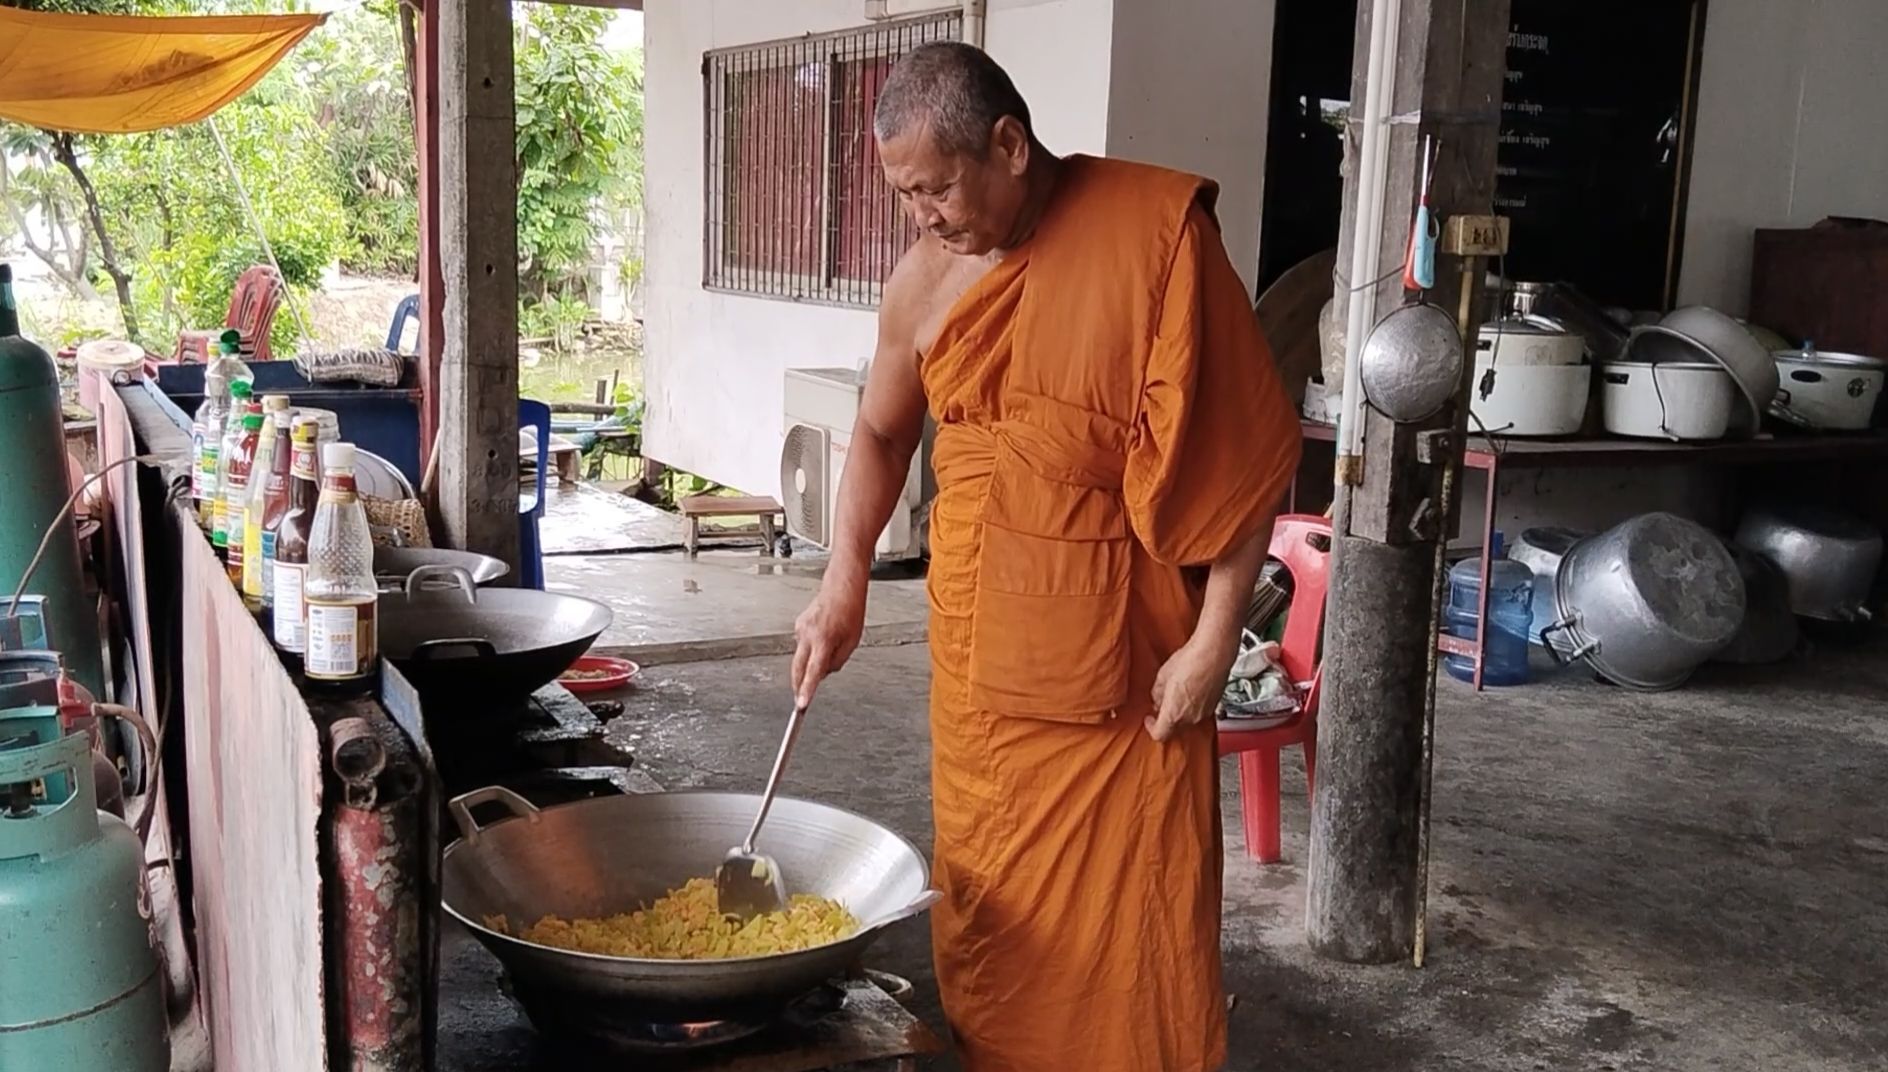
(1696, 880)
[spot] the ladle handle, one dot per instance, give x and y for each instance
(773, 780)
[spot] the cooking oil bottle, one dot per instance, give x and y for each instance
(339, 593)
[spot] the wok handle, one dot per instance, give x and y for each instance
(459, 575)
(461, 808)
(446, 647)
(918, 906)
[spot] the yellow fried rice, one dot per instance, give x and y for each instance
(687, 924)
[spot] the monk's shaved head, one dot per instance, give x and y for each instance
(954, 90)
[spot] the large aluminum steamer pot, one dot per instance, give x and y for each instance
(1829, 557)
(600, 857)
(1646, 602)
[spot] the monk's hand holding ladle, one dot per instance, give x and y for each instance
(1188, 687)
(825, 636)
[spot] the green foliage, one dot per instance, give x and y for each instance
(579, 141)
(350, 75)
(559, 319)
(180, 220)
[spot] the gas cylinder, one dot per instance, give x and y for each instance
(33, 449)
(28, 678)
(79, 982)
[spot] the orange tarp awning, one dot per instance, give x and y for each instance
(120, 74)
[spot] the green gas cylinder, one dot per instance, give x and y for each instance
(34, 485)
(79, 983)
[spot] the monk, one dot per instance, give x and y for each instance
(1112, 445)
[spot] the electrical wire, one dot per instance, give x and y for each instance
(45, 540)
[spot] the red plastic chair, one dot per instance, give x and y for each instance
(253, 304)
(1302, 543)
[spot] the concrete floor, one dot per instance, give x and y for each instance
(722, 604)
(1688, 881)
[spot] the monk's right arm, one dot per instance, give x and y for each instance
(886, 434)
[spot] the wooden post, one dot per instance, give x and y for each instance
(1363, 867)
(478, 251)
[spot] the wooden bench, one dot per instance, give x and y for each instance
(696, 507)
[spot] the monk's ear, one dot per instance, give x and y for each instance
(1009, 142)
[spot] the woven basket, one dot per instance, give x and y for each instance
(397, 522)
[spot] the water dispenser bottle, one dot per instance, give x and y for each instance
(1510, 617)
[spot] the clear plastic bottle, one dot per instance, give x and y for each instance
(209, 423)
(339, 595)
(216, 458)
(1510, 617)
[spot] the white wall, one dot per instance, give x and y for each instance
(1212, 121)
(714, 363)
(1792, 127)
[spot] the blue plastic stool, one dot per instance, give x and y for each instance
(533, 414)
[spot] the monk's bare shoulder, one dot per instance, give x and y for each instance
(910, 312)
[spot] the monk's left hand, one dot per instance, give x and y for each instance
(1188, 688)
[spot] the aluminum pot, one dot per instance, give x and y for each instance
(1829, 557)
(1646, 602)
(1411, 364)
(1770, 632)
(613, 854)
(393, 565)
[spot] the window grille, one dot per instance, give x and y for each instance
(796, 206)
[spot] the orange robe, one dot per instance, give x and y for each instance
(1108, 417)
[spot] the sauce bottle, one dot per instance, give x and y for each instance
(235, 485)
(212, 419)
(339, 596)
(274, 417)
(275, 501)
(291, 540)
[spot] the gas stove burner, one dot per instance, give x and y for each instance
(591, 1031)
(679, 1038)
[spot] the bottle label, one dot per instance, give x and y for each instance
(252, 554)
(219, 521)
(341, 640)
(288, 605)
(196, 452)
(268, 568)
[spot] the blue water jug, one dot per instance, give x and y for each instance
(1510, 617)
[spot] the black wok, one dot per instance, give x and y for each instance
(483, 647)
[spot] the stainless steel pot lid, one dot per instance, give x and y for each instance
(1532, 324)
(1825, 357)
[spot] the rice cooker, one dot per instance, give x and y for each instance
(1837, 392)
(1530, 378)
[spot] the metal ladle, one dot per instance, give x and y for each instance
(749, 883)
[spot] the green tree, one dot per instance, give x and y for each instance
(350, 77)
(579, 142)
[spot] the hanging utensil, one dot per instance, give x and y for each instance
(1419, 267)
(748, 883)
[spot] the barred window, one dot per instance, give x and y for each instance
(797, 207)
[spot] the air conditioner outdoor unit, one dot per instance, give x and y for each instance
(821, 405)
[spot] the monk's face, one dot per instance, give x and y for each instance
(970, 203)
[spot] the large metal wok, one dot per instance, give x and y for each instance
(600, 857)
(486, 647)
